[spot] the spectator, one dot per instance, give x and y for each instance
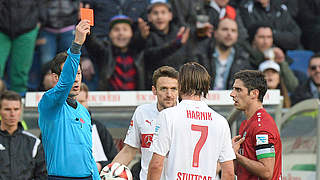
(311, 88)
(219, 9)
(261, 39)
(104, 10)
(121, 64)
(64, 123)
(57, 32)
(285, 31)
(165, 44)
(22, 155)
(309, 21)
(271, 71)
(142, 125)
(19, 25)
(224, 57)
(101, 137)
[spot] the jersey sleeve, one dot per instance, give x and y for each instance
(227, 152)
(161, 137)
(133, 133)
(264, 144)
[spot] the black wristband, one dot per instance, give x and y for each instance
(75, 48)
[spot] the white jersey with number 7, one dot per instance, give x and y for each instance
(194, 138)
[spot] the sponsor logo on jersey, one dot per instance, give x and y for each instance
(131, 123)
(149, 122)
(198, 115)
(2, 148)
(146, 140)
(262, 139)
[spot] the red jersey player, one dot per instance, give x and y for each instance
(258, 147)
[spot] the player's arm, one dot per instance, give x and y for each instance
(227, 170)
(155, 167)
(262, 168)
(60, 92)
(126, 155)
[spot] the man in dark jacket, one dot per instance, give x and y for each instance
(21, 153)
(286, 32)
(18, 32)
(311, 88)
(166, 42)
(120, 64)
(222, 57)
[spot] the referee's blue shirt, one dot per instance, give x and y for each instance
(66, 132)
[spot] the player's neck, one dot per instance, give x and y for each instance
(190, 97)
(252, 109)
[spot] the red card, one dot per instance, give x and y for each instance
(87, 14)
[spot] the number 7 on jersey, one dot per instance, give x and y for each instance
(200, 143)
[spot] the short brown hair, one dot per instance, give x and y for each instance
(194, 79)
(57, 61)
(164, 71)
(84, 87)
(11, 96)
(253, 79)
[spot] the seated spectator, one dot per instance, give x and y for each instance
(22, 155)
(311, 88)
(103, 147)
(271, 71)
(222, 56)
(309, 21)
(261, 39)
(286, 32)
(219, 9)
(57, 31)
(120, 64)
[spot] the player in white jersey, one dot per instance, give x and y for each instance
(191, 135)
(141, 129)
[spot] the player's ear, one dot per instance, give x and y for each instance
(254, 93)
(55, 77)
(154, 90)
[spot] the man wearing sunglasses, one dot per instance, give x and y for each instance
(311, 88)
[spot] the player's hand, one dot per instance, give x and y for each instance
(82, 29)
(236, 141)
(144, 28)
(109, 169)
(183, 34)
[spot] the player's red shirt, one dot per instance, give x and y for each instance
(262, 140)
